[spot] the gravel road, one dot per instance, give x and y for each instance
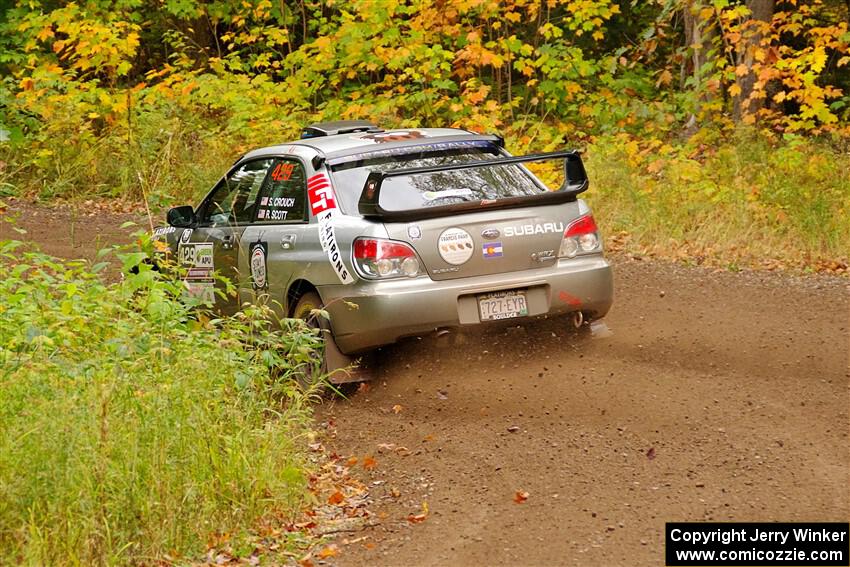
(715, 396)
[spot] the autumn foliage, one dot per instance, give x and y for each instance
(170, 90)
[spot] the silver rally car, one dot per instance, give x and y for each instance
(394, 234)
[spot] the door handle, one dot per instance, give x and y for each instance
(227, 242)
(287, 241)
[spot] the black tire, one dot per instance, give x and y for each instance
(304, 309)
(334, 363)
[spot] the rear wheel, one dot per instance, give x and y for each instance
(334, 362)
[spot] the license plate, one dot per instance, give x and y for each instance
(502, 305)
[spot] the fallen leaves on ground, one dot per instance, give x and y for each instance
(340, 507)
(397, 408)
(520, 496)
(329, 551)
(393, 448)
(421, 517)
(369, 462)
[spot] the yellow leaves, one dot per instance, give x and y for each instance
(513, 17)
(329, 551)
(487, 57)
(26, 84)
(187, 88)
(478, 95)
(779, 97)
(664, 78)
(45, 33)
(735, 90)
(742, 70)
(818, 59)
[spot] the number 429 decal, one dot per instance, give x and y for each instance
(283, 171)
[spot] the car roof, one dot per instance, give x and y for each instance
(365, 142)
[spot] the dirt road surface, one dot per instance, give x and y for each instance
(717, 396)
(714, 396)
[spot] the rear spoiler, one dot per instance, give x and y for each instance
(575, 182)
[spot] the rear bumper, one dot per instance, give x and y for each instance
(369, 314)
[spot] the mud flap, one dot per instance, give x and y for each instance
(342, 368)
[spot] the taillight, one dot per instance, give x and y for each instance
(581, 236)
(379, 258)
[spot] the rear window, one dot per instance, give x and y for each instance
(438, 189)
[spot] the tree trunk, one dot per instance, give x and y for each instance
(699, 35)
(760, 11)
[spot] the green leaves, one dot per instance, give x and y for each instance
(147, 414)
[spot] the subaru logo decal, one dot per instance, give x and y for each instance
(490, 233)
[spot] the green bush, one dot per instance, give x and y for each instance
(131, 426)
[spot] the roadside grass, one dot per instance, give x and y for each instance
(748, 202)
(133, 427)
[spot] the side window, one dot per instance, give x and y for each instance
(234, 199)
(285, 199)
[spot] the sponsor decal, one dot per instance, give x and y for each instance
(404, 150)
(532, 229)
(198, 255)
(371, 187)
(186, 235)
(414, 232)
(203, 290)
(490, 233)
(163, 230)
(323, 206)
(455, 246)
(396, 136)
(445, 194)
(259, 267)
(199, 274)
(492, 250)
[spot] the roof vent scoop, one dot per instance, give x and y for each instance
(338, 127)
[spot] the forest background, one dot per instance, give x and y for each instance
(715, 131)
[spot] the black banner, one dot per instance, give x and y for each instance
(757, 543)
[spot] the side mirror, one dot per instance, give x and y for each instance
(181, 217)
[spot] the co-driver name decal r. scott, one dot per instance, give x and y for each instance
(323, 206)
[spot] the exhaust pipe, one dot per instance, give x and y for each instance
(578, 319)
